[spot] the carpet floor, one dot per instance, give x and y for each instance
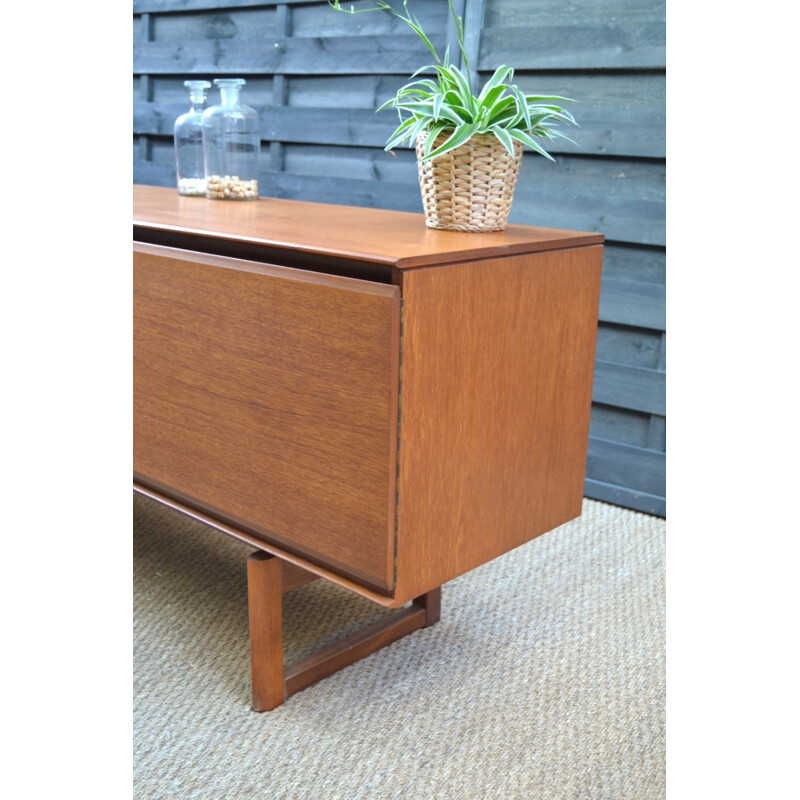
(544, 679)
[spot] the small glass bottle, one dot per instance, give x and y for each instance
(231, 145)
(189, 142)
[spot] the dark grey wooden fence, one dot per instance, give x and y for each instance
(316, 76)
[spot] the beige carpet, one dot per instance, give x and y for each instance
(545, 677)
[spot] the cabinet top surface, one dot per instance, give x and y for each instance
(400, 239)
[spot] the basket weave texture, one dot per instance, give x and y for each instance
(469, 188)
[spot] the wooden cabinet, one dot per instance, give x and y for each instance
(268, 396)
(384, 405)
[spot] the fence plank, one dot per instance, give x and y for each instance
(657, 433)
(633, 263)
(320, 20)
(625, 200)
(317, 20)
(635, 388)
(167, 6)
(153, 173)
(254, 24)
(319, 189)
(633, 303)
(622, 45)
(367, 194)
(170, 96)
(580, 34)
(312, 18)
(618, 114)
(343, 117)
(635, 468)
(336, 126)
(367, 164)
(625, 497)
(521, 13)
(631, 347)
(474, 12)
(620, 425)
(298, 56)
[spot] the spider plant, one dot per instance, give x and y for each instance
(445, 103)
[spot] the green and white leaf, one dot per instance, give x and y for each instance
(443, 99)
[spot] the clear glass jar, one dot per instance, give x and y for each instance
(189, 142)
(231, 145)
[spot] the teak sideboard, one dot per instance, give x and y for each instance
(358, 397)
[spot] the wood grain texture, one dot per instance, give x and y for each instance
(236, 531)
(495, 403)
(638, 468)
(619, 115)
(625, 199)
(385, 237)
(294, 577)
(265, 605)
(583, 33)
(268, 396)
(327, 142)
(634, 388)
(432, 603)
(290, 55)
(141, 6)
(626, 497)
(637, 303)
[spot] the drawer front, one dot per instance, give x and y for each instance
(267, 397)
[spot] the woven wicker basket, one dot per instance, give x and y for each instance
(469, 188)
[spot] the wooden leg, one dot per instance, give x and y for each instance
(432, 603)
(265, 603)
(267, 578)
(353, 648)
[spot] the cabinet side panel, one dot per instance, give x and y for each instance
(268, 398)
(498, 361)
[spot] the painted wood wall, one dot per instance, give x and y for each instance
(315, 77)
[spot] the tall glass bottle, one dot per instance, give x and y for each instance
(189, 142)
(231, 145)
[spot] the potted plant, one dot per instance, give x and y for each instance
(469, 147)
